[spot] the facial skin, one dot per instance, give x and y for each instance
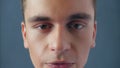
(59, 33)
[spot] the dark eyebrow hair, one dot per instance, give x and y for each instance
(38, 18)
(83, 16)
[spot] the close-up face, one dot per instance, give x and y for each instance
(59, 33)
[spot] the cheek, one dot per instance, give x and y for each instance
(85, 40)
(36, 45)
(82, 43)
(83, 47)
(86, 36)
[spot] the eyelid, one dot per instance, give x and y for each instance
(41, 23)
(44, 27)
(78, 21)
(71, 24)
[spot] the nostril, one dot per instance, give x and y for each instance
(53, 49)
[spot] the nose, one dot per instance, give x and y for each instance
(59, 41)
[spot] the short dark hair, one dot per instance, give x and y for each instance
(24, 6)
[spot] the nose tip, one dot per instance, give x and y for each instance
(61, 40)
(60, 47)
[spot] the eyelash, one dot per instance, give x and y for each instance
(75, 25)
(72, 26)
(45, 26)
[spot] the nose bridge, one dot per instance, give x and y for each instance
(60, 42)
(59, 34)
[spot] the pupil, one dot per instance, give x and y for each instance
(43, 26)
(76, 25)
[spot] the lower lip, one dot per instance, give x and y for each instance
(66, 65)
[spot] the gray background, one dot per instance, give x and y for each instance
(106, 54)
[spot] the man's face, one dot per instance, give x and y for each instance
(59, 33)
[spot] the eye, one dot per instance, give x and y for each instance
(45, 27)
(75, 25)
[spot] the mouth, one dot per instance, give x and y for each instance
(60, 64)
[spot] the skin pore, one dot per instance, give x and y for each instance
(59, 33)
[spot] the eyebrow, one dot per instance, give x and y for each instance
(38, 18)
(83, 16)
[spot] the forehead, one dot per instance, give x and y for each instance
(58, 8)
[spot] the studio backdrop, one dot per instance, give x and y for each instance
(106, 54)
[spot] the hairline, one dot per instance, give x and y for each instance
(24, 6)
